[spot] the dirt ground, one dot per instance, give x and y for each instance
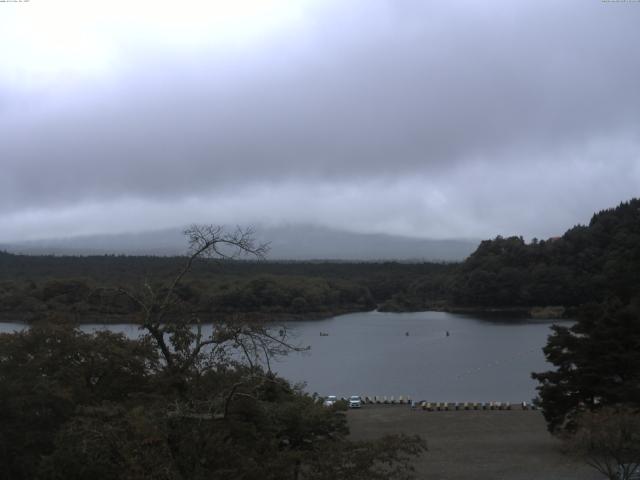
(478, 445)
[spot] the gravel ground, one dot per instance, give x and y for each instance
(492, 445)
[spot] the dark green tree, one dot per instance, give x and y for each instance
(47, 372)
(597, 364)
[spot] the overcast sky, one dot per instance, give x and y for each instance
(435, 119)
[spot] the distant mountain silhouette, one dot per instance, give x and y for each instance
(293, 242)
(309, 242)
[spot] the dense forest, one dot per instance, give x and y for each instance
(86, 287)
(587, 263)
(592, 395)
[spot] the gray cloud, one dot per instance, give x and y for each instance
(422, 118)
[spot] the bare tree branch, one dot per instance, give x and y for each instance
(180, 346)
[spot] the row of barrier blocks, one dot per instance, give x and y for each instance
(441, 406)
(390, 400)
(401, 400)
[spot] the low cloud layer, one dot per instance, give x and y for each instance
(426, 119)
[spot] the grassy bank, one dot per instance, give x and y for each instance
(477, 444)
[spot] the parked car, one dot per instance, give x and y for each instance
(355, 401)
(330, 401)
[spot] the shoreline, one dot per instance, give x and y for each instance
(555, 312)
(533, 313)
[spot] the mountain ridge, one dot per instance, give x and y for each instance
(288, 242)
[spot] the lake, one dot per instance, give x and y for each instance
(482, 359)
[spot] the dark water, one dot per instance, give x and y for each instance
(371, 354)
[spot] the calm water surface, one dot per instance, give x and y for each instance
(371, 354)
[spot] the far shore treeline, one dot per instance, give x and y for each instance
(588, 263)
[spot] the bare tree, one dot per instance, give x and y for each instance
(609, 440)
(178, 335)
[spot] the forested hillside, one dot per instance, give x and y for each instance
(587, 263)
(36, 286)
(593, 389)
